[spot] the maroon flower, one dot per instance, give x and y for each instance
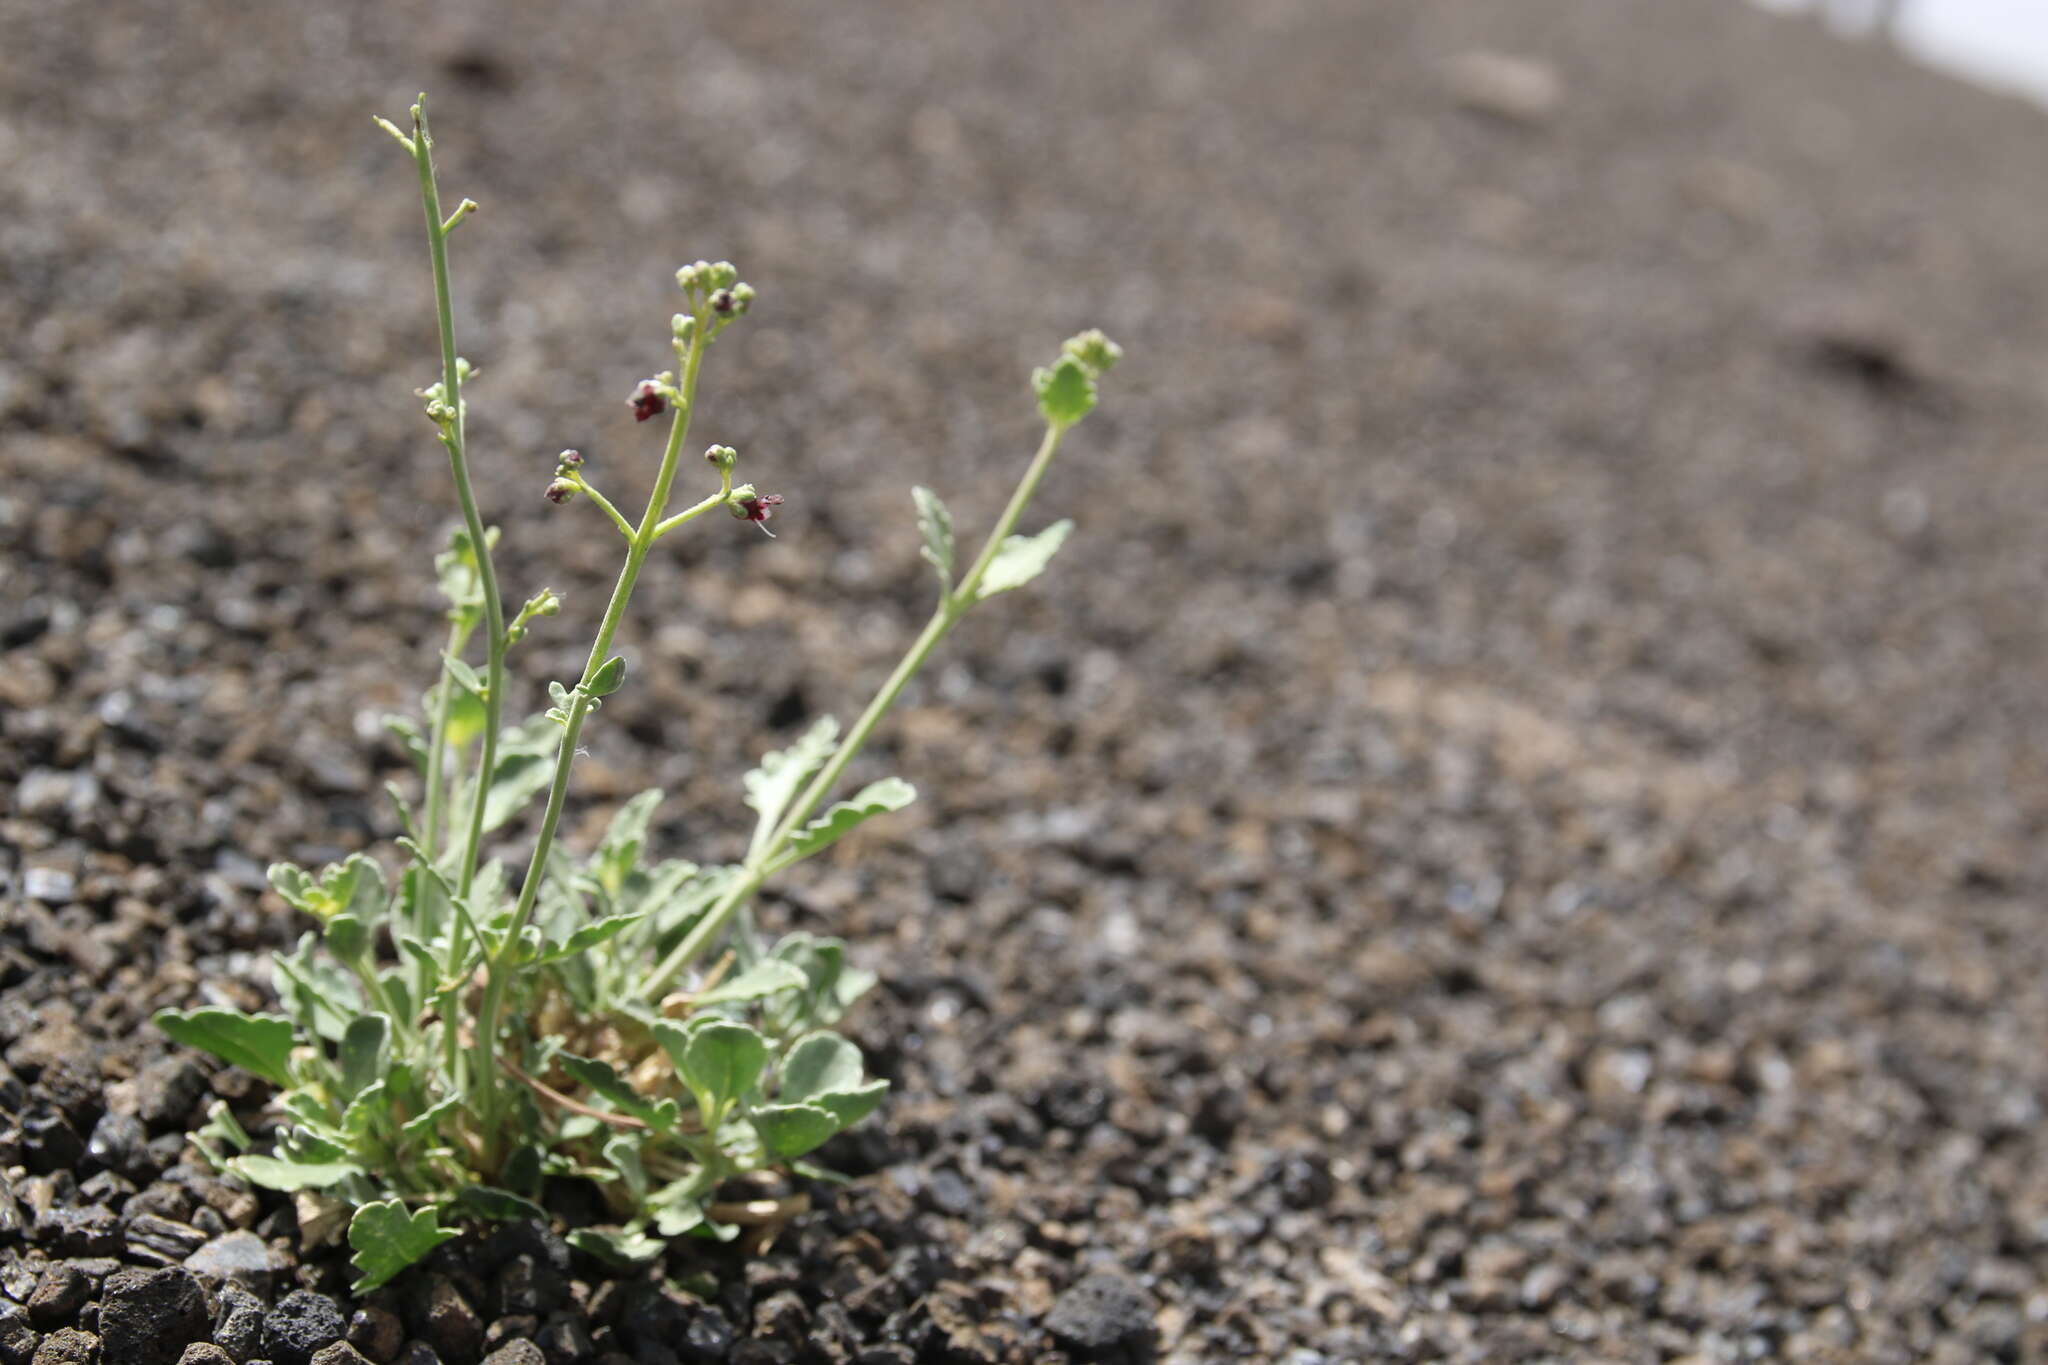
(758, 510)
(560, 491)
(647, 401)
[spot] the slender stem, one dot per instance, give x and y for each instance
(763, 862)
(453, 436)
(605, 504)
(639, 543)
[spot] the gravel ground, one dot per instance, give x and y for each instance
(1514, 830)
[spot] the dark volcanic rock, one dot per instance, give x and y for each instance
(69, 1346)
(299, 1325)
(1105, 1317)
(58, 1296)
(148, 1317)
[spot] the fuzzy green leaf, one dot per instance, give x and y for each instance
(526, 764)
(365, 1048)
(501, 1206)
(852, 1105)
(935, 524)
(773, 785)
(387, 1239)
(604, 1079)
(275, 1173)
(260, 1044)
(588, 937)
(765, 978)
(820, 1063)
(719, 1060)
(1066, 391)
(877, 798)
(1021, 559)
(609, 678)
(789, 1130)
(623, 1247)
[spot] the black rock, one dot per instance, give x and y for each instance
(69, 1346)
(205, 1353)
(148, 1317)
(300, 1324)
(161, 1241)
(17, 1338)
(339, 1353)
(527, 1284)
(1106, 1317)
(48, 1141)
(516, 1353)
(417, 1353)
(238, 1322)
(120, 1143)
(376, 1333)
(91, 1231)
(168, 1090)
(444, 1320)
(163, 1199)
(58, 1296)
(565, 1341)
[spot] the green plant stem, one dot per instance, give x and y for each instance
(639, 543)
(453, 436)
(763, 862)
(605, 505)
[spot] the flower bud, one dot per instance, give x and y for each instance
(722, 457)
(568, 460)
(560, 491)
(647, 401)
(723, 275)
(722, 302)
(686, 278)
(742, 297)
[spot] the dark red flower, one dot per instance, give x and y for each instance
(647, 401)
(759, 509)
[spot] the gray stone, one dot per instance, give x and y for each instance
(235, 1258)
(1103, 1316)
(59, 1295)
(300, 1324)
(516, 1353)
(69, 1346)
(205, 1353)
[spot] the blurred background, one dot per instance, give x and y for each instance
(1998, 42)
(1514, 828)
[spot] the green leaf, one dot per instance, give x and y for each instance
(525, 766)
(1066, 391)
(588, 937)
(766, 977)
(407, 732)
(260, 1044)
(500, 1206)
(609, 678)
(773, 785)
(348, 938)
(1021, 559)
(464, 675)
(424, 1124)
(323, 996)
(626, 1247)
(602, 1078)
(719, 1060)
(877, 798)
(387, 1239)
(852, 1105)
(789, 1130)
(819, 1064)
(619, 854)
(274, 1173)
(365, 1048)
(623, 1151)
(935, 524)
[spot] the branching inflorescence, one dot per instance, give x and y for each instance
(453, 1037)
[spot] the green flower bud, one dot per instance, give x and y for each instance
(722, 457)
(1094, 350)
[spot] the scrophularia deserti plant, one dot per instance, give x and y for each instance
(457, 1033)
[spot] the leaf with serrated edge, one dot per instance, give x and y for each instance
(877, 798)
(364, 1050)
(589, 936)
(819, 1064)
(260, 1044)
(1021, 559)
(387, 1239)
(628, 1246)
